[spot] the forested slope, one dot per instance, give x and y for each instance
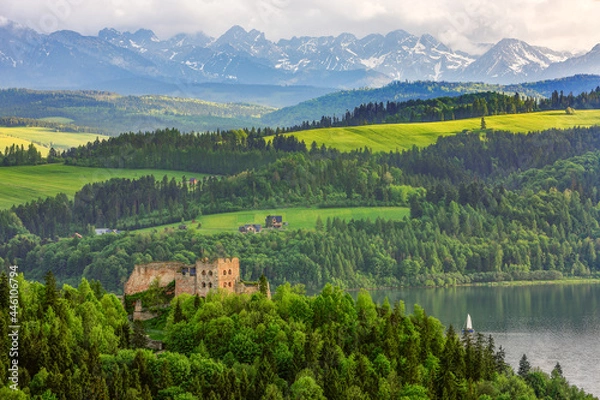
(77, 343)
(483, 208)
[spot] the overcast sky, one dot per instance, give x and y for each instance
(558, 24)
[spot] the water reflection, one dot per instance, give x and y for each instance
(549, 323)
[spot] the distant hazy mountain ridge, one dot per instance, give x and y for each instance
(66, 59)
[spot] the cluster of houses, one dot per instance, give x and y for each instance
(272, 221)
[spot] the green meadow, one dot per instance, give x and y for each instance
(44, 138)
(297, 218)
(25, 183)
(389, 137)
(58, 120)
(7, 141)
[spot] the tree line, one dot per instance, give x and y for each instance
(560, 100)
(221, 152)
(438, 109)
(446, 108)
(18, 155)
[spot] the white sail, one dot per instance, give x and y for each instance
(469, 324)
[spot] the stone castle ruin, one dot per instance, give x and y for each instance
(195, 279)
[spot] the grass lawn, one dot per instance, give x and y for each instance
(45, 138)
(390, 137)
(25, 183)
(297, 218)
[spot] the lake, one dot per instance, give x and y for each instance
(548, 323)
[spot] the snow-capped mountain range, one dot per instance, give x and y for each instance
(66, 59)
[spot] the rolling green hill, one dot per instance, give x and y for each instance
(7, 141)
(337, 103)
(25, 183)
(110, 113)
(44, 138)
(297, 218)
(390, 137)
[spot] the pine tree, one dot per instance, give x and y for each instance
(263, 285)
(139, 338)
(4, 292)
(524, 367)
(319, 224)
(557, 371)
(51, 291)
(177, 313)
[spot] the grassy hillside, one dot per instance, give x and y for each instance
(7, 141)
(338, 103)
(403, 136)
(26, 183)
(297, 218)
(44, 138)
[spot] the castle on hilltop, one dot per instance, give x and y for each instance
(196, 279)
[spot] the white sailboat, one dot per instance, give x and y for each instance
(468, 325)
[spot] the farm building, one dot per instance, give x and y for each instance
(250, 228)
(103, 231)
(273, 221)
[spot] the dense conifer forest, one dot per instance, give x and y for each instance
(484, 207)
(77, 343)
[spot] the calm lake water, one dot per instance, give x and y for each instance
(548, 323)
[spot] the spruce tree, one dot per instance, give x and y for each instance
(51, 291)
(524, 367)
(263, 285)
(139, 338)
(177, 313)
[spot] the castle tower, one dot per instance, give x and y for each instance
(222, 273)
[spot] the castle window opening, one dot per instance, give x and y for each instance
(229, 272)
(203, 284)
(229, 284)
(203, 272)
(224, 272)
(209, 284)
(209, 273)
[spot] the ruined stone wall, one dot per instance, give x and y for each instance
(242, 288)
(185, 283)
(143, 275)
(223, 273)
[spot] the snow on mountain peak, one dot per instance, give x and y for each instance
(248, 57)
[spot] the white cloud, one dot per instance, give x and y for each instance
(461, 24)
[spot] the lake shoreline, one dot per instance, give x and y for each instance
(567, 281)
